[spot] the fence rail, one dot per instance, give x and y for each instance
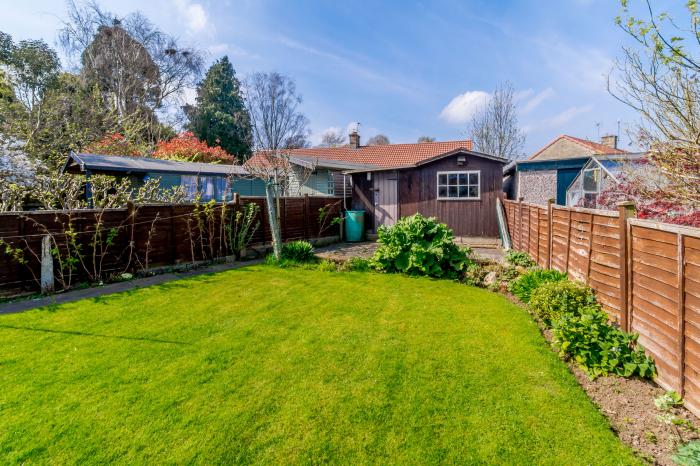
(646, 276)
(92, 243)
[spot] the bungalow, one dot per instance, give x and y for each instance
(549, 172)
(210, 181)
(446, 180)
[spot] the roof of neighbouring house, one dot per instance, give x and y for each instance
(79, 163)
(588, 148)
(379, 156)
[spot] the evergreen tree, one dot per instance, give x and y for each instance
(220, 116)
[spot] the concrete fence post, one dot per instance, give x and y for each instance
(47, 279)
(626, 210)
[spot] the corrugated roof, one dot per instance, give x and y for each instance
(116, 163)
(381, 156)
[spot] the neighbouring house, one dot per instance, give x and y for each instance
(208, 180)
(601, 173)
(321, 169)
(446, 180)
(549, 172)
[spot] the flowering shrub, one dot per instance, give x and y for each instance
(115, 144)
(186, 147)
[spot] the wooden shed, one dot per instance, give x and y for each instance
(459, 188)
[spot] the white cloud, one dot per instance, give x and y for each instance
(464, 106)
(534, 101)
(557, 121)
(193, 14)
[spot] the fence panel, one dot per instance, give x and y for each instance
(130, 239)
(646, 275)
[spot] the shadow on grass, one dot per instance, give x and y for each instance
(85, 334)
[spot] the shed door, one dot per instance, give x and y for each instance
(386, 202)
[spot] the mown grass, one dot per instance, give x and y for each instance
(268, 365)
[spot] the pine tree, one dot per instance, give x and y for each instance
(220, 117)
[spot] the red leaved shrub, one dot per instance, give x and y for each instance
(186, 147)
(651, 204)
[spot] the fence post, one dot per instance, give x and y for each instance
(626, 210)
(131, 217)
(47, 284)
(306, 215)
(520, 223)
(681, 315)
(550, 203)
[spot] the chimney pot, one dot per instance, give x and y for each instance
(609, 140)
(354, 139)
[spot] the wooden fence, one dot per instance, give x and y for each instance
(139, 237)
(645, 274)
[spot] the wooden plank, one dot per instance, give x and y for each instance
(657, 248)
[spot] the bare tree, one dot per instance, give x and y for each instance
(494, 127)
(426, 139)
(273, 105)
(378, 140)
(131, 59)
(662, 83)
(332, 138)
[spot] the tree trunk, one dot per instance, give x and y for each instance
(274, 223)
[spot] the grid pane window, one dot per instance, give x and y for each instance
(458, 185)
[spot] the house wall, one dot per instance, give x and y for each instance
(318, 183)
(563, 149)
(537, 187)
(417, 193)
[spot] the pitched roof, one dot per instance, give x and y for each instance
(77, 163)
(593, 148)
(384, 156)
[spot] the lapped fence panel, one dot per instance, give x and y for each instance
(646, 275)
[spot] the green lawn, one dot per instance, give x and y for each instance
(267, 365)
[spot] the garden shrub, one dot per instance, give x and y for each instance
(688, 454)
(299, 251)
(598, 347)
(327, 265)
(524, 285)
(519, 258)
(418, 245)
(551, 301)
(475, 274)
(357, 264)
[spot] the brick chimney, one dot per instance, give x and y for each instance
(609, 140)
(354, 139)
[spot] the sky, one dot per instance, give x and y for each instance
(401, 68)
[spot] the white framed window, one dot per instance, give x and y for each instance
(459, 185)
(591, 186)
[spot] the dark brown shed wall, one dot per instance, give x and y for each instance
(418, 193)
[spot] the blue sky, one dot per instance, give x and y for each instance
(402, 68)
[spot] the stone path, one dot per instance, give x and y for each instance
(94, 292)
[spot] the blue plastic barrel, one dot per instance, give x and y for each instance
(354, 225)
